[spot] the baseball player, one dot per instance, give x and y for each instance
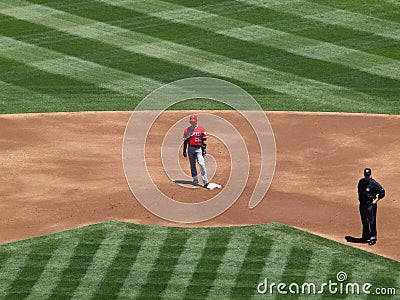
(195, 136)
(368, 189)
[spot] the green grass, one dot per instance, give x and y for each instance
(75, 55)
(306, 56)
(120, 260)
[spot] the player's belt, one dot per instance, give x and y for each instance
(195, 146)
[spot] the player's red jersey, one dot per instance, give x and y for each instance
(195, 135)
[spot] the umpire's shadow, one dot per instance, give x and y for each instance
(352, 239)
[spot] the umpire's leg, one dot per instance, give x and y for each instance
(372, 220)
(366, 233)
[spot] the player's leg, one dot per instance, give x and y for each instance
(202, 165)
(192, 159)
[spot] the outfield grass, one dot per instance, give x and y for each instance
(77, 55)
(125, 261)
(107, 55)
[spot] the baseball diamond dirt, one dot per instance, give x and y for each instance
(64, 170)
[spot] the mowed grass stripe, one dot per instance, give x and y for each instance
(119, 270)
(279, 256)
(230, 266)
(239, 12)
(311, 48)
(252, 267)
(3, 257)
(144, 263)
(46, 92)
(89, 243)
(397, 281)
(381, 278)
(75, 68)
(25, 98)
(207, 268)
(10, 270)
(317, 272)
(204, 61)
(333, 16)
(271, 243)
(100, 264)
(354, 76)
(261, 35)
(93, 50)
(52, 272)
(277, 81)
(382, 9)
(163, 269)
(186, 265)
(395, 2)
(295, 269)
(360, 272)
(338, 265)
(34, 266)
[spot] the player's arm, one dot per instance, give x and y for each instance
(185, 143)
(204, 137)
(203, 144)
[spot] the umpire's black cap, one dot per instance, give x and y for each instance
(367, 172)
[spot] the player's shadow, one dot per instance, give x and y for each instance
(351, 239)
(187, 182)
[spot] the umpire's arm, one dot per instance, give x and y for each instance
(381, 191)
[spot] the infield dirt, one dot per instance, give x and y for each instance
(64, 170)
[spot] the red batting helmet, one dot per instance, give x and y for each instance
(193, 118)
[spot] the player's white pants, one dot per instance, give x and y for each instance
(195, 153)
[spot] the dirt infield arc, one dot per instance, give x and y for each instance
(63, 170)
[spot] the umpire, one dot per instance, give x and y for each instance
(368, 189)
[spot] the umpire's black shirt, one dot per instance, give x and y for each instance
(368, 189)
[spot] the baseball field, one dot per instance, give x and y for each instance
(325, 73)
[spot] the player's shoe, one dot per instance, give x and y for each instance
(206, 185)
(195, 180)
(372, 242)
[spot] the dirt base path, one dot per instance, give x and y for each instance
(63, 170)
